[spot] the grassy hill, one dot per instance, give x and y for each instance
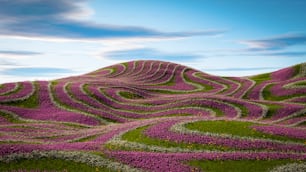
(155, 116)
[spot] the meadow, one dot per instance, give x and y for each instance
(158, 116)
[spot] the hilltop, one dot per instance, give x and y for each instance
(156, 116)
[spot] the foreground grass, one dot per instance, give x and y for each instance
(238, 165)
(236, 128)
(49, 164)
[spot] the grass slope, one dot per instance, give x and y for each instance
(147, 107)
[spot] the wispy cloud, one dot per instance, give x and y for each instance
(241, 69)
(6, 63)
(35, 71)
(276, 43)
(147, 53)
(286, 54)
(18, 53)
(55, 19)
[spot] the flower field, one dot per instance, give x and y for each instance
(155, 116)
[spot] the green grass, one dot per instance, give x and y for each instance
(171, 115)
(218, 112)
(130, 95)
(31, 102)
(272, 109)
(85, 139)
(171, 82)
(261, 78)
(303, 83)
(237, 128)
(13, 142)
(49, 164)
(113, 70)
(258, 80)
(19, 87)
(10, 118)
(75, 125)
(168, 91)
(137, 135)
(205, 86)
(297, 69)
(125, 64)
(56, 99)
(268, 96)
(302, 124)
(238, 165)
(244, 110)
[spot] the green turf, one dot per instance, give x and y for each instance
(268, 96)
(244, 110)
(297, 69)
(125, 64)
(130, 95)
(258, 80)
(237, 128)
(75, 125)
(85, 139)
(113, 70)
(168, 91)
(303, 83)
(19, 87)
(272, 109)
(10, 118)
(171, 82)
(206, 87)
(261, 78)
(49, 164)
(303, 124)
(14, 142)
(31, 102)
(238, 165)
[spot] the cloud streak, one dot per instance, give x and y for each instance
(36, 18)
(276, 43)
(35, 71)
(18, 53)
(285, 54)
(5, 63)
(241, 69)
(147, 53)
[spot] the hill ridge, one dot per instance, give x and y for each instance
(154, 115)
(147, 80)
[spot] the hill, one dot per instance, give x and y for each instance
(156, 116)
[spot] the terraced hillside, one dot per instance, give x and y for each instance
(155, 116)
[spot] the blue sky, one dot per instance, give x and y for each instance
(42, 39)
